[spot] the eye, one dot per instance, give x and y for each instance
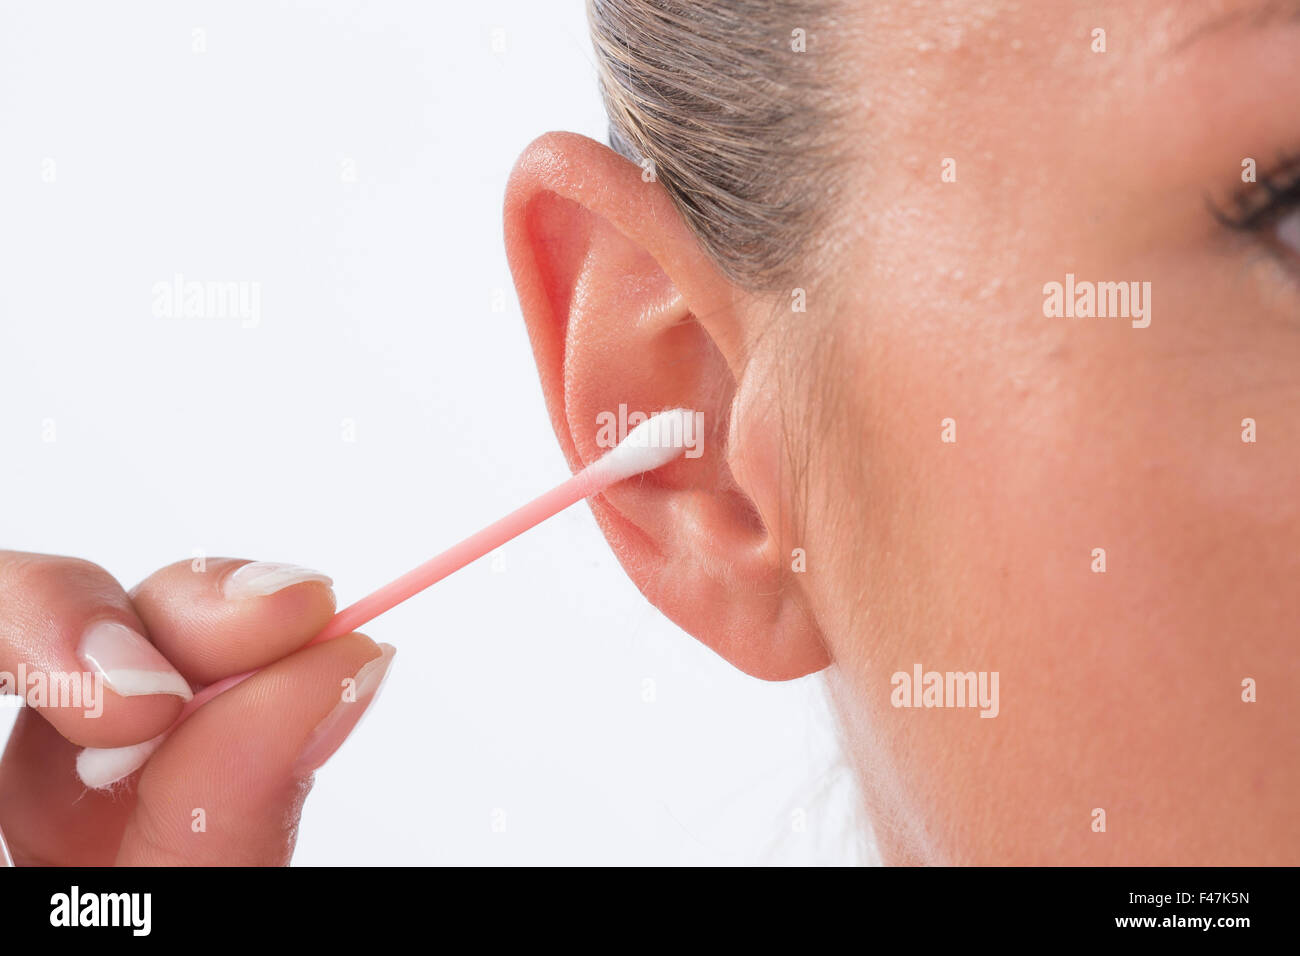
(1269, 208)
(1261, 204)
(1288, 232)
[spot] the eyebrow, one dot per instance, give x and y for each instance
(1256, 16)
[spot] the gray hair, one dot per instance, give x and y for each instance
(738, 124)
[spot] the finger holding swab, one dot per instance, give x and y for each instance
(660, 439)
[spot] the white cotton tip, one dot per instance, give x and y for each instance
(100, 768)
(654, 443)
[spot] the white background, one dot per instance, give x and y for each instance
(524, 683)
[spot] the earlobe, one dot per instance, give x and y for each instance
(627, 316)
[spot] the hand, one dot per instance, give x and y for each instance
(226, 787)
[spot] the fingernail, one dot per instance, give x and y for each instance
(330, 733)
(128, 663)
(266, 577)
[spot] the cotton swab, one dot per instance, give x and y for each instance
(652, 444)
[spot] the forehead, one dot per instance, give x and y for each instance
(1011, 29)
(987, 70)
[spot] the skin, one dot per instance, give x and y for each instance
(1119, 691)
(237, 758)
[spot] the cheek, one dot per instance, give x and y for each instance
(1098, 534)
(1002, 452)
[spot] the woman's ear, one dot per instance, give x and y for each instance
(627, 316)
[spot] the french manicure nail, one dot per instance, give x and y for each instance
(266, 577)
(330, 733)
(129, 664)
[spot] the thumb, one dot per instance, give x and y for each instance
(227, 786)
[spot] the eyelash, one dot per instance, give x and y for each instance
(1260, 204)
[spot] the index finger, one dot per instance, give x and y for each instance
(226, 616)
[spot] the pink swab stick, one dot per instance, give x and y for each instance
(652, 444)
